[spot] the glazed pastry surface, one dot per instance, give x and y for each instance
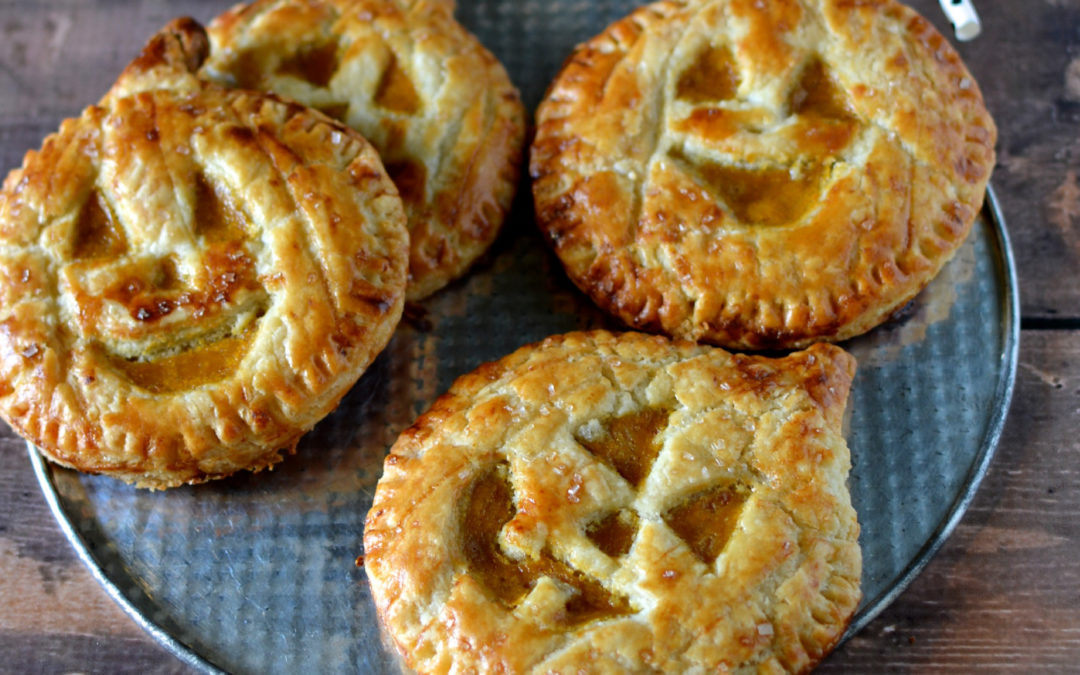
(437, 105)
(760, 174)
(621, 503)
(191, 277)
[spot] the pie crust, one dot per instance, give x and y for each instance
(760, 174)
(437, 105)
(191, 277)
(621, 503)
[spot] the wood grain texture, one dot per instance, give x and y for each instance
(54, 617)
(1003, 594)
(1027, 63)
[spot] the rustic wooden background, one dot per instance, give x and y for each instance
(1004, 592)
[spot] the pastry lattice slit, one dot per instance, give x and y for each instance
(96, 231)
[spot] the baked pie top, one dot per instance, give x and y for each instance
(191, 277)
(623, 503)
(760, 174)
(436, 104)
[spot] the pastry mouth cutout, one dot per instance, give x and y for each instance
(628, 444)
(815, 125)
(760, 175)
(192, 277)
(625, 502)
(489, 508)
(172, 321)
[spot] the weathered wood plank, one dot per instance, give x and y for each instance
(1027, 63)
(1003, 594)
(54, 617)
(1004, 591)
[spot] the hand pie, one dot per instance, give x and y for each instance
(760, 174)
(437, 105)
(191, 277)
(621, 504)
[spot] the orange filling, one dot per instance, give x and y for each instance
(764, 196)
(336, 110)
(247, 69)
(706, 521)
(817, 94)
(216, 219)
(409, 177)
(614, 534)
(490, 506)
(96, 234)
(189, 369)
(713, 77)
(829, 123)
(316, 64)
(629, 444)
(396, 91)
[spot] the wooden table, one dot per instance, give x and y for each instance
(1003, 593)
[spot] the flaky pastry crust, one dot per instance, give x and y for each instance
(437, 105)
(760, 174)
(620, 503)
(191, 277)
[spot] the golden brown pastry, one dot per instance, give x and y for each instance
(437, 105)
(619, 503)
(191, 277)
(760, 174)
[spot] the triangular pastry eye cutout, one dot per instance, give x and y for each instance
(216, 219)
(712, 78)
(817, 94)
(316, 64)
(707, 519)
(628, 443)
(614, 533)
(396, 91)
(97, 234)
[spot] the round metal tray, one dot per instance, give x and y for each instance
(256, 573)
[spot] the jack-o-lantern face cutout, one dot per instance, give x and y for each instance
(439, 108)
(761, 165)
(191, 278)
(621, 503)
(760, 174)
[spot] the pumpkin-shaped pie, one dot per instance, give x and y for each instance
(621, 503)
(760, 174)
(437, 105)
(191, 277)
